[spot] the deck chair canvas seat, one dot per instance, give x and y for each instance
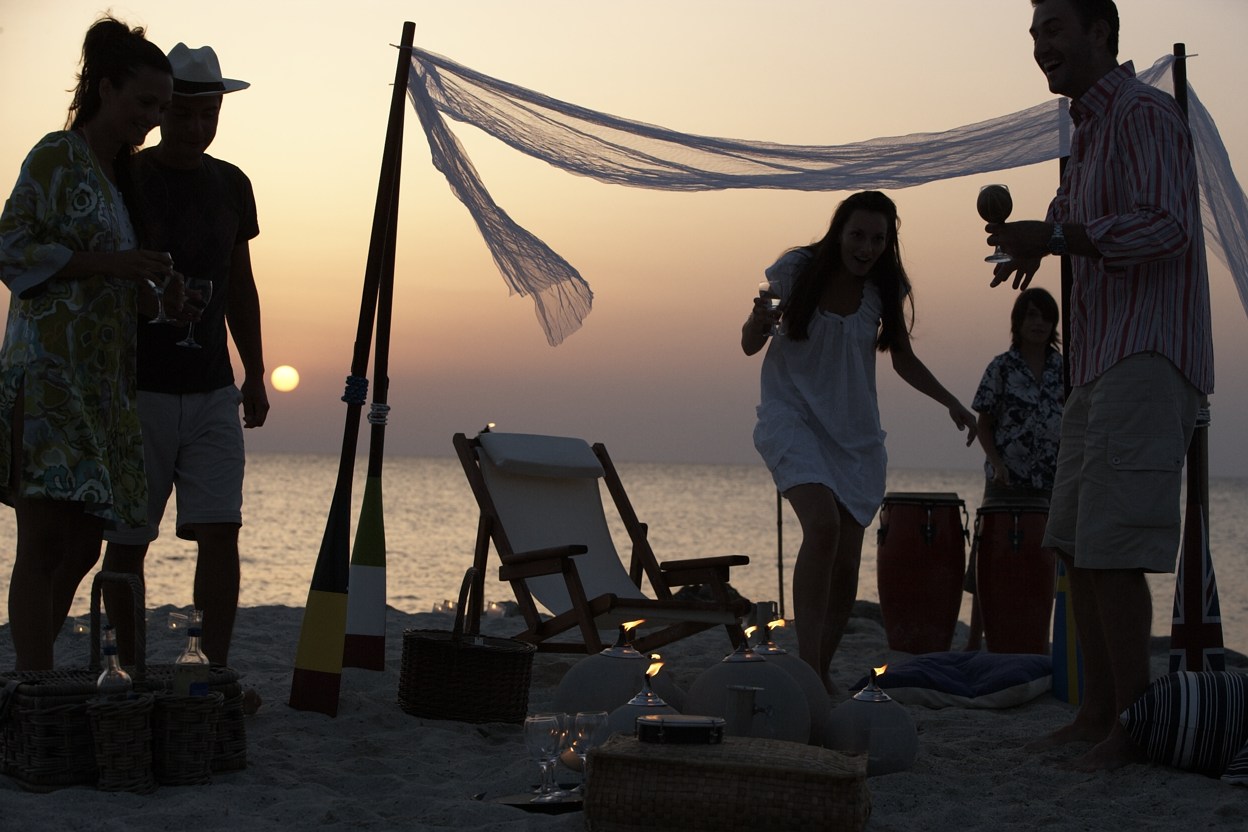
(542, 509)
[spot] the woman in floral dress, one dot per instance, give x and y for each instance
(71, 455)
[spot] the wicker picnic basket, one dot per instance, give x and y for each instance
(46, 738)
(121, 734)
(184, 736)
(462, 676)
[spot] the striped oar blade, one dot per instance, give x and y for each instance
(1196, 632)
(365, 644)
(317, 679)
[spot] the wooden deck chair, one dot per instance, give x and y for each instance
(542, 508)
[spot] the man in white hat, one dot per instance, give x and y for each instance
(202, 211)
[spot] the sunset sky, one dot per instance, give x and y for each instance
(656, 372)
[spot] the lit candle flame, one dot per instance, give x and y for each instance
(773, 625)
(749, 631)
(656, 662)
(632, 625)
(879, 671)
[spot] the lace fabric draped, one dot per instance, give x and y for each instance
(623, 152)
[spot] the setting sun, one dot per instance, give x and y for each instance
(285, 378)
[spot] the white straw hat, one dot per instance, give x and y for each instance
(197, 72)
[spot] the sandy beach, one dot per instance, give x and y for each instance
(376, 767)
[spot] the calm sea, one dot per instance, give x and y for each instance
(692, 511)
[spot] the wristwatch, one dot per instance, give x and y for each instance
(1057, 243)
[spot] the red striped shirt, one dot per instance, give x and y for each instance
(1131, 181)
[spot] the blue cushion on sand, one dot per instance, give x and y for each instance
(967, 680)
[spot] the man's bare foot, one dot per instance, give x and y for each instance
(1077, 731)
(1115, 751)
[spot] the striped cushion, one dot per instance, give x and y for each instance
(1192, 721)
(1237, 771)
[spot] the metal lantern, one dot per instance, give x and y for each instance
(623, 720)
(805, 676)
(606, 680)
(781, 710)
(872, 723)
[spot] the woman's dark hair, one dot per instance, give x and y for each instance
(888, 275)
(1045, 305)
(114, 51)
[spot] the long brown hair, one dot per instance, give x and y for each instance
(888, 274)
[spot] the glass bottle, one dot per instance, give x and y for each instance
(191, 671)
(113, 683)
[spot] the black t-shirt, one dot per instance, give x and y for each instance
(198, 216)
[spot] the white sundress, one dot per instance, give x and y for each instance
(819, 418)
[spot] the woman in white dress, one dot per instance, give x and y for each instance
(842, 300)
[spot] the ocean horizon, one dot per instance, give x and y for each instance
(692, 509)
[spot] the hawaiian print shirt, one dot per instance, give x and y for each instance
(1028, 416)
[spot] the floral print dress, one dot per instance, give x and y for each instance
(69, 345)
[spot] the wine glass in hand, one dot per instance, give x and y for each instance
(994, 205)
(771, 297)
(159, 289)
(199, 292)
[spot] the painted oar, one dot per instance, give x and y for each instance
(365, 644)
(317, 679)
(1196, 632)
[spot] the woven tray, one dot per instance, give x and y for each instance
(741, 785)
(465, 676)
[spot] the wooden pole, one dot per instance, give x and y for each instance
(780, 547)
(1196, 632)
(318, 659)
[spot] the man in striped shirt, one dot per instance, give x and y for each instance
(1141, 353)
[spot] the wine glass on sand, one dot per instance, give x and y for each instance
(994, 205)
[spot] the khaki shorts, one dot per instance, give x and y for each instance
(1124, 439)
(194, 442)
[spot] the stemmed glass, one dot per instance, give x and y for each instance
(542, 737)
(201, 287)
(768, 292)
(159, 289)
(994, 205)
(589, 730)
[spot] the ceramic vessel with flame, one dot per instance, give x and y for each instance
(623, 720)
(781, 708)
(872, 723)
(606, 680)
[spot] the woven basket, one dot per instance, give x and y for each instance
(45, 736)
(230, 749)
(121, 733)
(741, 785)
(45, 732)
(464, 676)
(184, 738)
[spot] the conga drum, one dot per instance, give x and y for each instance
(1014, 577)
(920, 562)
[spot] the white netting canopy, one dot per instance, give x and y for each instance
(623, 152)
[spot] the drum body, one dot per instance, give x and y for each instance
(920, 561)
(1014, 577)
